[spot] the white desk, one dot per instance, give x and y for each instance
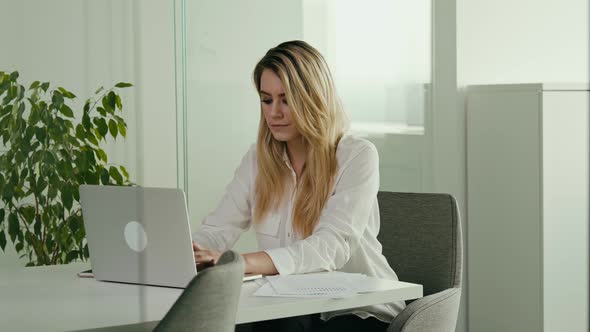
(54, 299)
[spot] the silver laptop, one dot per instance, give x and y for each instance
(138, 235)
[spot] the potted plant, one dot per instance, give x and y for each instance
(49, 151)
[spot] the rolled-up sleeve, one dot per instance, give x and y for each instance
(221, 229)
(342, 222)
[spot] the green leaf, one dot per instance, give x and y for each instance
(34, 117)
(96, 133)
(67, 197)
(20, 237)
(2, 240)
(57, 99)
(82, 162)
(91, 138)
(74, 224)
(115, 175)
(80, 133)
(19, 157)
(76, 193)
(106, 106)
(4, 111)
(124, 171)
(103, 129)
(87, 106)
(28, 213)
(66, 93)
(19, 247)
(113, 128)
(24, 173)
(52, 192)
(37, 227)
(71, 256)
(41, 185)
(92, 178)
(66, 110)
(102, 155)
(118, 102)
(29, 133)
(64, 168)
(13, 226)
(123, 85)
(45, 219)
(122, 129)
(2, 214)
(34, 85)
(98, 90)
(21, 92)
(14, 75)
(112, 100)
(14, 176)
(45, 86)
(90, 157)
(50, 158)
(120, 119)
(101, 111)
(86, 121)
(104, 176)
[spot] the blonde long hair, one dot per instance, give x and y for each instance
(318, 117)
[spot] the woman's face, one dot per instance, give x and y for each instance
(275, 108)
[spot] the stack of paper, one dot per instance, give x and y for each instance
(326, 284)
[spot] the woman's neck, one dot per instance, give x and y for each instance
(297, 152)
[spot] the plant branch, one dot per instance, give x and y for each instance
(58, 243)
(96, 101)
(22, 217)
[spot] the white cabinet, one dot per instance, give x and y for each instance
(527, 202)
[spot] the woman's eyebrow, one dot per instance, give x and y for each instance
(268, 94)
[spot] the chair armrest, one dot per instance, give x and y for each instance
(436, 312)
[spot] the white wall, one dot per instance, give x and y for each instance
(156, 103)
(520, 41)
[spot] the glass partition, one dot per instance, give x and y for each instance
(379, 52)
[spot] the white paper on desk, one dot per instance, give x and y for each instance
(266, 290)
(324, 285)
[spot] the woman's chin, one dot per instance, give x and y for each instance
(281, 137)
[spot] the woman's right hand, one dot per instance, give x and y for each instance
(204, 258)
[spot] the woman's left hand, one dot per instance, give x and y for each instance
(205, 257)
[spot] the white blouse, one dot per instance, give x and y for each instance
(344, 239)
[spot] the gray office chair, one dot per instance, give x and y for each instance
(421, 238)
(210, 301)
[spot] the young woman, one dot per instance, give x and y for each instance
(309, 191)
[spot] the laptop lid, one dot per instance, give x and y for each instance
(138, 235)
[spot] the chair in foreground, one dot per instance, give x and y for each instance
(422, 241)
(210, 301)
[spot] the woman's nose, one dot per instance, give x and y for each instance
(276, 111)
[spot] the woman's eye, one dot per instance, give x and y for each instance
(267, 101)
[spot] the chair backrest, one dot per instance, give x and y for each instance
(210, 301)
(421, 238)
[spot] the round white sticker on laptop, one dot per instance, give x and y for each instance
(135, 236)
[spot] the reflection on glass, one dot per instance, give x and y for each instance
(379, 53)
